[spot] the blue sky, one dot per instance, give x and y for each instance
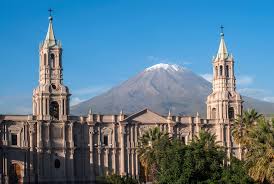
(107, 41)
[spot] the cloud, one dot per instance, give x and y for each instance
(76, 100)
(83, 94)
(92, 90)
(269, 99)
(155, 59)
(16, 104)
(207, 76)
(244, 80)
(261, 94)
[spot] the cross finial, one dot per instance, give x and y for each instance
(50, 10)
(222, 30)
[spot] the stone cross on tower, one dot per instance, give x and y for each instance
(51, 97)
(224, 102)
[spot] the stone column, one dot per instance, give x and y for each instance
(106, 165)
(70, 153)
(114, 161)
(91, 161)
(122, 152)
(99, 160)
(137, 166)
(31, 158)
(114, 149)
(132, 162)
(39, 161)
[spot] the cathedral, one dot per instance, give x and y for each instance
(50, 145)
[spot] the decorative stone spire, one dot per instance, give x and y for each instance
(50, 38)
(222, 52)
(121, 118)
(90, 111)
(169, 115)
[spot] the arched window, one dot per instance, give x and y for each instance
(227, 71)
(52, 60)
(45, 59)
(231, 113)
(221, 70)
(213, 113)
(54, 110)
(216, 71)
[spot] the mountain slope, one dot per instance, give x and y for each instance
(160, 88)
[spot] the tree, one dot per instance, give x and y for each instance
(236, 173)
(199, 162)
(117, 179)
(255, 134)
(203, 160)
(146, 149)
(259, 157)
(242, 125)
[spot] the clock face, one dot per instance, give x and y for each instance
(54, 87)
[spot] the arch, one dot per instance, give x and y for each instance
(16, 173)
(227, 71)
(221, 70)
(216, 71)
(214, 113)
(231, 113)
(54, 110)
(52, 60)
(45, 59)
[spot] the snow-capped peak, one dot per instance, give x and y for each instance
(170, 67)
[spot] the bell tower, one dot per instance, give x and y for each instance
(51, 97)
(224, 103)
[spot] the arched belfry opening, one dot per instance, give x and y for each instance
(52, 60)
(45, 59)
(227, 71)
(221, 70)
(54, 110)
(214, 113)
(231, 113)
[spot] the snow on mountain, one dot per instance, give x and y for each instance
(164, 66)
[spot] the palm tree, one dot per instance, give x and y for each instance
(206, 139)
(260, 154)
(146, 149)
(256, 135)
(243, 123)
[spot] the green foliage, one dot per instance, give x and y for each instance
(236, 173)
(146, 149)
(202, 161)
(256, 136)
(117, 179)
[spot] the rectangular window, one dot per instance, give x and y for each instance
(105, 140)
(14, 139)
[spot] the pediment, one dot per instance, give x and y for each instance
(146, 116)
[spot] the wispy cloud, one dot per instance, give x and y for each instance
(83, 94)
(92, 90)
(76, 100)
(16, 104)
(261, 94)
(245, 80)
(157, 60)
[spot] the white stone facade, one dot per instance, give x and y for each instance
(52, 146)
